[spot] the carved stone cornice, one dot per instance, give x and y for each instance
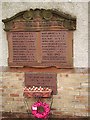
(39, 19)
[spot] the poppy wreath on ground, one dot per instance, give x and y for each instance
(40, 109)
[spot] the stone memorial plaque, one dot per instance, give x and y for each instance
(40, 38)
(47, 48)
(41, 79)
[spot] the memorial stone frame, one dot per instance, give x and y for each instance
(40, 38)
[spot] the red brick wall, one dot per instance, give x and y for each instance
(71, 98)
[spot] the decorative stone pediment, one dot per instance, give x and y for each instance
(40, 19)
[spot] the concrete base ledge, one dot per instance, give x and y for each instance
(26, 116)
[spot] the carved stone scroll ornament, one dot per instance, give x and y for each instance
(28, 15)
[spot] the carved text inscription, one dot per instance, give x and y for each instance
(40, 48)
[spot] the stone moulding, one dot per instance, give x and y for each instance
(53, 18)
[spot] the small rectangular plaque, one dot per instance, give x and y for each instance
(41, 79)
